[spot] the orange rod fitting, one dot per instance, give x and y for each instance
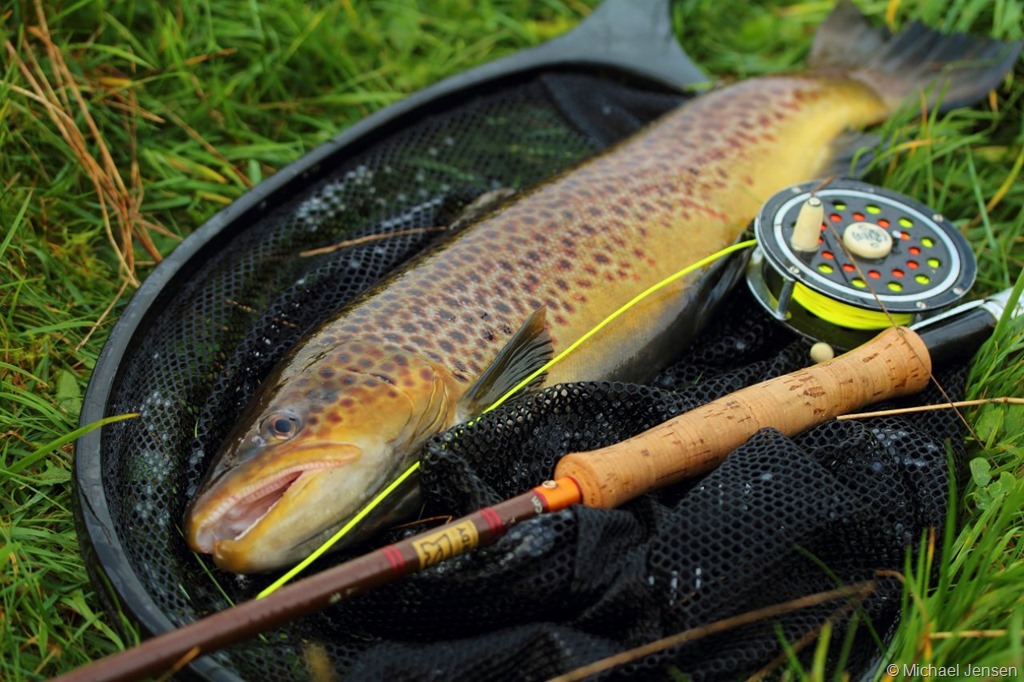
(558, 494)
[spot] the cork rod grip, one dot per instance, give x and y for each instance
(893, 364)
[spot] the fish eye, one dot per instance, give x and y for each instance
(281, 425)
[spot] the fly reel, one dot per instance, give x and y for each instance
(838, 262)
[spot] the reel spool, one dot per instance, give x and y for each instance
(879, 258)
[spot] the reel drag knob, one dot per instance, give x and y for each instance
(879, 258)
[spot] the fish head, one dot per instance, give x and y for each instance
(310, 451)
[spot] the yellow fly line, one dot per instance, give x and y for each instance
(414, 467)
(844, 314)
(342, 532)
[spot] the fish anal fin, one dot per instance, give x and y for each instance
(526, 352)
(851, 153)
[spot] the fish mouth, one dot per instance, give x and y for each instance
(234, 514)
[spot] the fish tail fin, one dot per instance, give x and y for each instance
(953, 70)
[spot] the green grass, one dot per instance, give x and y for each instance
(196, 101)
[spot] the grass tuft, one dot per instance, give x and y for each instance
(124, 126)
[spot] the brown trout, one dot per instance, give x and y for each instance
(350, 406)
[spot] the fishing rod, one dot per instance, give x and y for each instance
(896, 362)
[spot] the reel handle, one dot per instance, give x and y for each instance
(893, 364)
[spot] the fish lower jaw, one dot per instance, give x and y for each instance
(239, 514)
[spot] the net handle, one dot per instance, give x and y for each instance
(893, 364)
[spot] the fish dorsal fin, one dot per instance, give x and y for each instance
(526, 352)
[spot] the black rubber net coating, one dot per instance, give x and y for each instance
(780, 519)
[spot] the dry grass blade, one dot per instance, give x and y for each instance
(855, 593)
(970, 634)
(929, 408)
(210, 148)
(808, 638)
(103, 316)
(369, 238)
(179, 664)
(61, 98)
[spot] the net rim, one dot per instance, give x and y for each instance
(619, 39)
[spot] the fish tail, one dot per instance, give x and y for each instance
(953, 70)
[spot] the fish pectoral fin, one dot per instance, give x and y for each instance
(528, 350)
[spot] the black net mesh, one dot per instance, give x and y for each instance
(780, 519)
